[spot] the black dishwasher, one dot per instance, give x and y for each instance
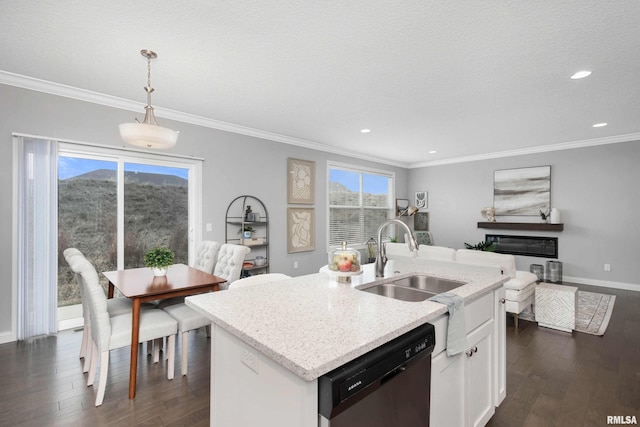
(388, 386)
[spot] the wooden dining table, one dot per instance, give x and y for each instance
(140, 285)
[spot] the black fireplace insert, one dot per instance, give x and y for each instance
(544, 247)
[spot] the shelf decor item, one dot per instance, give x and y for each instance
(159, 259)
(301, 181)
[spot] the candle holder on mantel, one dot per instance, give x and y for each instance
(344, 263)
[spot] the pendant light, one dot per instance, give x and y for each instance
(148, 134)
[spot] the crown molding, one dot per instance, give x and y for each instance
(52, 88)
(532, 150)
(58, 89)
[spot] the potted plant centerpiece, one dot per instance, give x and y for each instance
(159, 259)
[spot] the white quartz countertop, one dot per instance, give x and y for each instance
(312, 324)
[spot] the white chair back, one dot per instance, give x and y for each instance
(96, 300)
(506, 263)
(397, 249)
(439, 253)
(258, 279)
(207, 255)
(229, 264)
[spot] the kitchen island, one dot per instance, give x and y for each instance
(271, 342)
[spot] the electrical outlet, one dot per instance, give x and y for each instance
(295, 264)
(607, 267)
(209, 227)
(250, 360)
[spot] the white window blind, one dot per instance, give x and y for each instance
(359, 201)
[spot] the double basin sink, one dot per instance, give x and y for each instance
(412, 288)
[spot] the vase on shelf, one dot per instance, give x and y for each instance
(554, 216)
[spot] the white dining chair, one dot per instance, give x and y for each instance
(111, 332)
(207, 256)
(228, 266)
(115, 307)
(257, 280)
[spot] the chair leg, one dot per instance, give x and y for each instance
(156, 350)
(92, 366)
(515, 319)
(88, 350)
(85, 342)
(104, 369)
(185, 352)
(171, 351)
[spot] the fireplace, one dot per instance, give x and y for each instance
(545, 247)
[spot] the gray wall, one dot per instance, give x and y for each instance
(234, 165)
(595, 188)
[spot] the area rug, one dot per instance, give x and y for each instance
(592, 313)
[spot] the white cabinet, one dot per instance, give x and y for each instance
(466, 388)
(479, 376)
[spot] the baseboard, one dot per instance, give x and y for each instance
(603, 283)
(6, 337)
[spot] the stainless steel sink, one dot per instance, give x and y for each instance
(428, 283)
(398, 292)
(412, 288)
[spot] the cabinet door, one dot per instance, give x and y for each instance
(499, 348)
(447, 390)
(479, 376)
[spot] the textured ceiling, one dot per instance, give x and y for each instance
(462, 78)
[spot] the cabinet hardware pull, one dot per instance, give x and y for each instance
(502, 300)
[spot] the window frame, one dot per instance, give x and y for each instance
(361, 170)
(122, 156)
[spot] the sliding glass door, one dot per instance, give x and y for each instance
(114, 207)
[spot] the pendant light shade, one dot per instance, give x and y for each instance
(148, 134)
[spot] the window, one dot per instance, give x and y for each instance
(359, 201)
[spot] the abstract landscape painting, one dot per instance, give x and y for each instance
(525, 191)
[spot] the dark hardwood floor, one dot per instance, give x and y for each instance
(553, 378)
(560, 379)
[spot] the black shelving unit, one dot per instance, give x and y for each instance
(236, 220)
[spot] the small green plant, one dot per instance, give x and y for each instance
(159, 257)
(247, 228)
(394, 239)
(544, 215)
(482, 246)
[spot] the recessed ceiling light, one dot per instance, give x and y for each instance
(581, 74)
(432, 152)
(365, 130)
(599, 125)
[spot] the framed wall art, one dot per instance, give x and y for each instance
(421, 201)
(301, 230)
(421, 221)
(524, 191)
(301, 176)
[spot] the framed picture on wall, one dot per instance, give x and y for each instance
(421, 201)
(421, 221)
(301, 230)
(301, 176)
(523, 191)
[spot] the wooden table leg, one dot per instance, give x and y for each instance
(110, 291)
(135, 330)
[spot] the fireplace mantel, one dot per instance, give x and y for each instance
(535, 226)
